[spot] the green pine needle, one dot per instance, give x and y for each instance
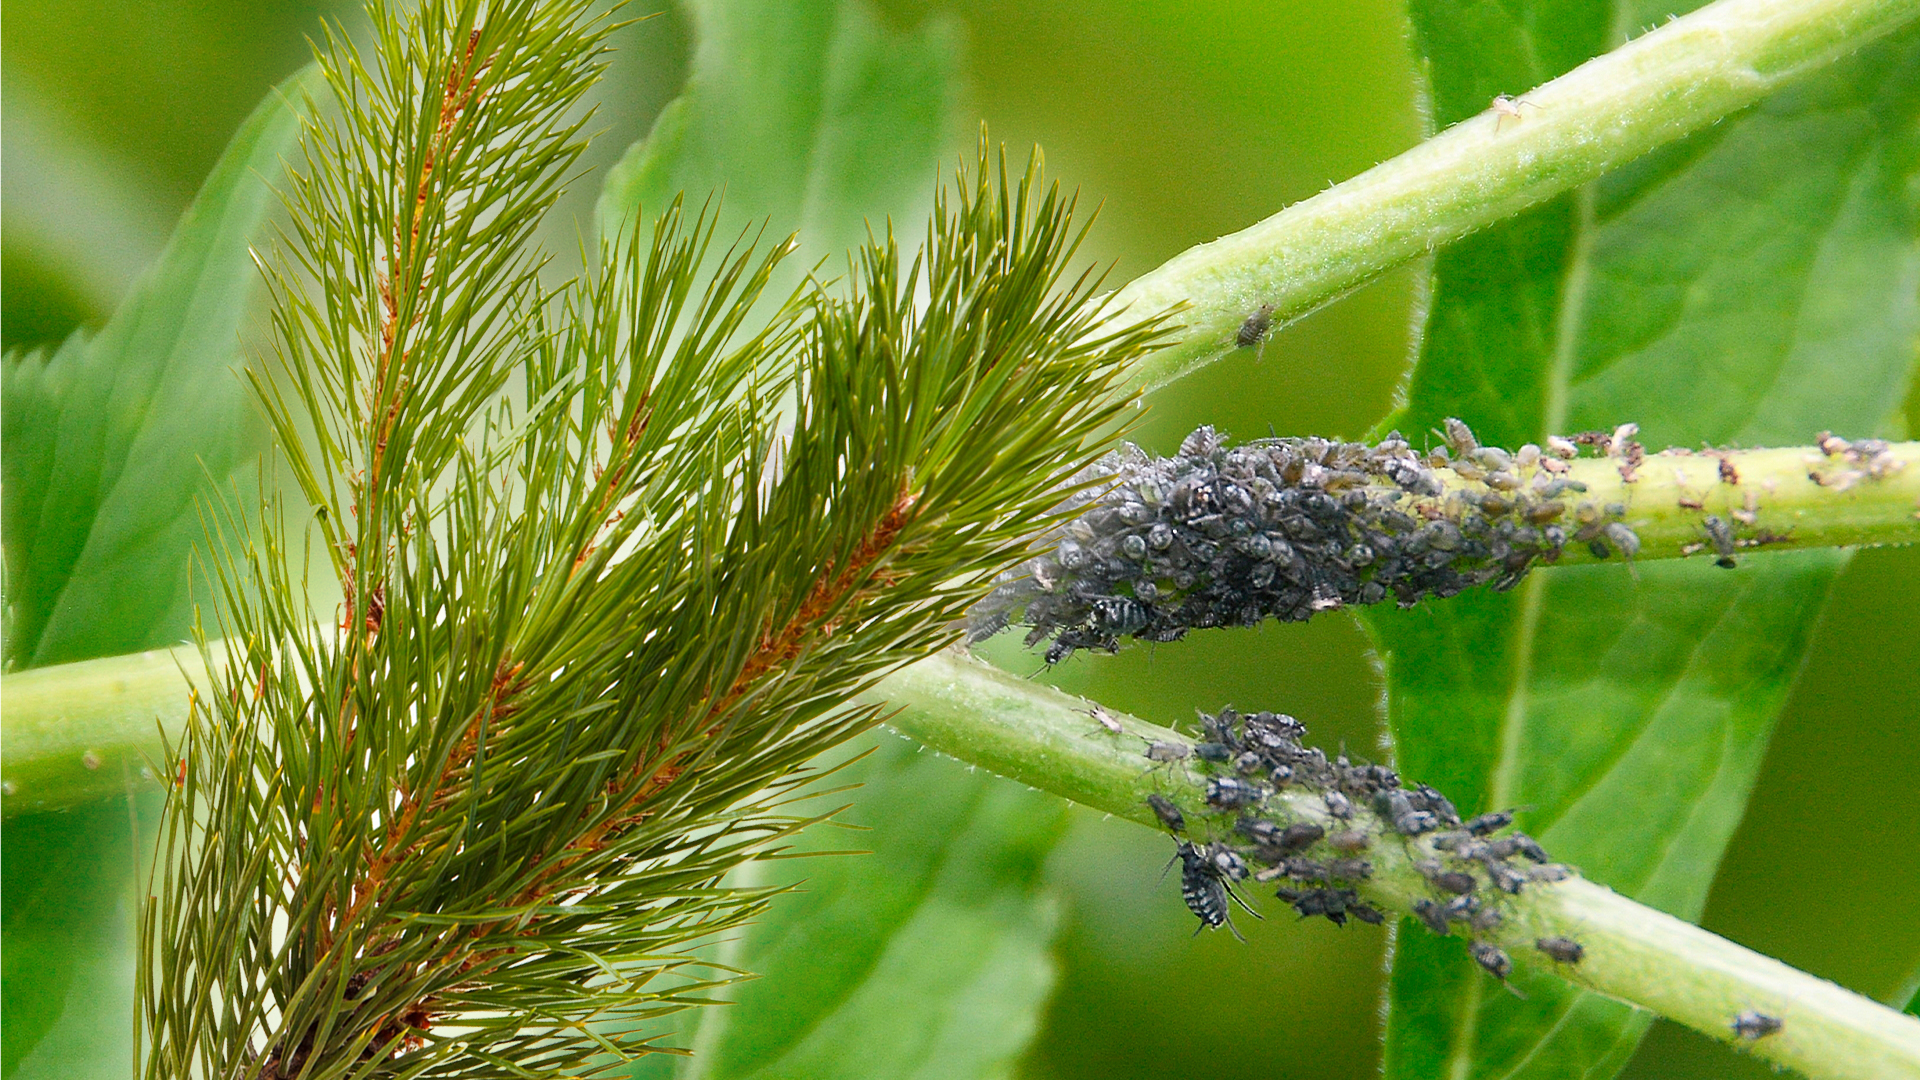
(604, 602)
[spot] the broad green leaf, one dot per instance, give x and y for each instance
(810, 116)
(1751, 285)
(110, 444)
(66, 940)
(929, 957)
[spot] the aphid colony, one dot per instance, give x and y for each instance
(1319, 868)
(1285, 528)
(1867, 459)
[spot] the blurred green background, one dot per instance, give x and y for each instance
(1185, 121)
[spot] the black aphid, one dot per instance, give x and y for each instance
(1229, 863)
(1462, 908)
(1432, 914)
(1366, 913)
(1228, 793)
(1205, 889)
(1529, 847)
(1300, 835)
(1492, 958)
(1565, 950)
(1218, 753)
(1350, 841)
(1337, 805)
(1169, 814)
(1489, 822)
(1455, 881)
(1350, 869)
(1505, 878)
(1753, 1024)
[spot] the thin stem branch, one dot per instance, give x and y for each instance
(1633, 953)
(1661, 86)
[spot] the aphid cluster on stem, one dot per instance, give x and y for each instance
(1842, 464)
(1469, 866)
(1286, 528)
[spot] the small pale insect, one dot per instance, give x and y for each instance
(1254, 330)
(1508, 108)
(1106, 719)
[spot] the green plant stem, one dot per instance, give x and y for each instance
(116, 707)
(75, 732)
(1634, 953)
(1661, 86)
(1785, 498)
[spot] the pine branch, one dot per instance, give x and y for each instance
(595, 625)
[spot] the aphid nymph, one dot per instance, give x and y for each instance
(1492, 958)
(1169, 814)
(1254, 330)
(1166, 753)
(1565, 950)
(1754, 1024)
(1106, 719)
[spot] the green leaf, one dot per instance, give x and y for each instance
(110, 443)
(67, 941)
(809, 115)
(929, 957)
(1753, 284)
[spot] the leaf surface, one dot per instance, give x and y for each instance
(1751, 285)
(67, 941)
(929, 957)
(811, 116)
(111, 443)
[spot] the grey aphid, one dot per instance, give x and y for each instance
(1254, 330)
(1349, 841)
(1490, 822)
(1227, 793)
(1492, 958)
(1169, 814)
(1166, 753)
(1563, 949)
(1623, 538)
(1432, 914)
(1721, 534)
(1754, 1024)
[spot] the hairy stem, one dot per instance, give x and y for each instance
(1663, 85)
(1632, 953)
